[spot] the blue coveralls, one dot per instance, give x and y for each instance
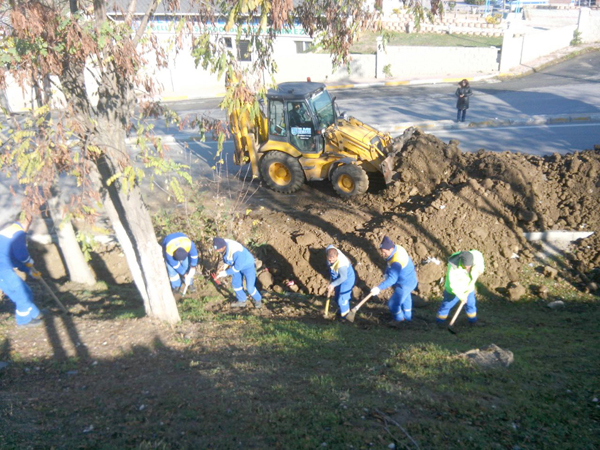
(343, 279)
(401, 274)
(241, 266)
(461, 284)
(177, 269)
(14, 254)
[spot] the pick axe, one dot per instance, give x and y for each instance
(455, 316)
(351, 315)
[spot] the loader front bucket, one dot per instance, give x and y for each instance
(389, 163)
(387, 168)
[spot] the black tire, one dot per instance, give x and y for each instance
(349, 180)
(281, 172)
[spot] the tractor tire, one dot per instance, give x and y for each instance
(349, 180)
(281, 172)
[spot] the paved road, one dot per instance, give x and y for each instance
(535, 140)
(571, 88)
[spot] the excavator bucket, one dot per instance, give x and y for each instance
(389, 163)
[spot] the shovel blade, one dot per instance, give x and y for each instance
(350, 316)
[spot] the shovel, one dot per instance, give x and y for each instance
(41, 280)
(350, 316)
(454, 318)
(327, 306)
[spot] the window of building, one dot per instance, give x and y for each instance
(243, 51)
(302, 46)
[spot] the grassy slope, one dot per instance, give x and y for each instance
(326, 382)
(258, 382)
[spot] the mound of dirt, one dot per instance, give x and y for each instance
(440, 201)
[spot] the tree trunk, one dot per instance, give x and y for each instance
(77, 267)
(104, 127)
(133, 227)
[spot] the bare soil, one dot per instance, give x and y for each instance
(441, 201)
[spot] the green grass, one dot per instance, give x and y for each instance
(366, 43)
(246, 381)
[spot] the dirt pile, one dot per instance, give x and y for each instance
(441, 201)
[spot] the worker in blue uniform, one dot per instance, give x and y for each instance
(399, 274)
(181, 258)
(14, 255)
(342, 279)
(464, 268)
(239, 263)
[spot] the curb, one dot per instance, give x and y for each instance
(493, 123)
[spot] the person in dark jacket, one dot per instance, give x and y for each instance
(462, 104)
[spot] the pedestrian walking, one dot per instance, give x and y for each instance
(463, 270)
(181, 259)
(399, 274)
(239, 263)
(342, 279)
(462, 103)
(14, 254)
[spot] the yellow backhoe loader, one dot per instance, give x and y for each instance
(298, 137)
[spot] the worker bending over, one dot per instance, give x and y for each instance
(463, 270)
(400, 273)
(239, 263)
(14, 254)
(342, 279)
(181, 258)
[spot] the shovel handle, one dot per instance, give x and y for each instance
(457, 313)
(364, 300)
(215, 279)
(65, 310)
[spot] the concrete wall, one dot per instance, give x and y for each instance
(543, 43)
(520, 47)
(589, 25)
(409, 62)
(319, 68)
(551, 18)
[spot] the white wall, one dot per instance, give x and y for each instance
(543, 43)
(551, 18)
(589, 25)
(523, 47)
(407, 62)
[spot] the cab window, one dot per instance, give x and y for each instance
(277, 118)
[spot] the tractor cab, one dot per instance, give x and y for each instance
(297, 112)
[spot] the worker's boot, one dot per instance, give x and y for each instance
(399, 324)
(238, 305)
(258, 304)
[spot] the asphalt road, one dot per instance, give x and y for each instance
(570, 88)
(535, 140)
